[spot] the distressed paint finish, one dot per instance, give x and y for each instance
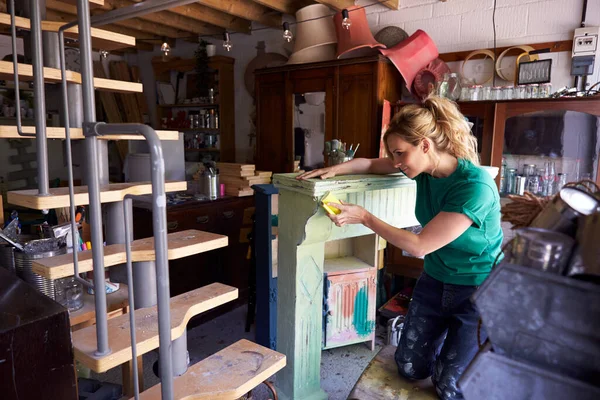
(351, 316)
(303, 230)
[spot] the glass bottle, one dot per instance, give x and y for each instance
(211, 123)
(216, 120)
(503, 176)
(521, 92)
(533, 184)
(497, 93)
(487, 93)
(507, 92)
(562, 179)
(511, 180)
(550, 176)
(464, 94)
(444, 86)
(545, 90)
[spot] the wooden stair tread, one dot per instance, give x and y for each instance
(10, 132)
(228, 374)
(183, 307)
(101, 39)
(181, 244)
(54, 75)
(59, 197)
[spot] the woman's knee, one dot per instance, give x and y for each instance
(411, 365)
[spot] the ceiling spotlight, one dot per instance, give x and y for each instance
(227, 45)
(287, 34)
(165, 48)
(346, 23)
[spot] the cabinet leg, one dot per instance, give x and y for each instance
(127, 373)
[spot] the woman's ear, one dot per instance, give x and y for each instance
(426, 145)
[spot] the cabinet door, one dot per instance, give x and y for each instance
(356, 115)
(273, 148)
(349, 308)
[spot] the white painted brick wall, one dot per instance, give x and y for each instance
(462, 25)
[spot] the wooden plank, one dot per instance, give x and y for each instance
(183, 307)
(214, 17)
(59, 197)
(141, 98)
(93, 3)
(181, 244)
(337, 5)
(120, 70)
(238, 192)
(563, 45)
(285, 6)
(263, 174)
(234, 166)
(227, 374)
(114, 301)
(246, 9)
(101, 39)
(10, 132)
(108, 100)
(53, 75)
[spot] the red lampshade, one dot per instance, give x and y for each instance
(359, 35)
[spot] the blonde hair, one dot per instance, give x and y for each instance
(439, 120)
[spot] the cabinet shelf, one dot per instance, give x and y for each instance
(190, 105)
(335, 266)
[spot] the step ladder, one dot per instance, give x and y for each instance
(227, 374)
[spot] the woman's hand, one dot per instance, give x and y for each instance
(350, 214)
(324, 173)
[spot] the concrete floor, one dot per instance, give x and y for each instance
(340, 368)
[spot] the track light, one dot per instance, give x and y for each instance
(346, 23)
(287, 34)
(227, 45)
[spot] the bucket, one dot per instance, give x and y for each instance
(23, 268)
(7, 253)
(541, 249)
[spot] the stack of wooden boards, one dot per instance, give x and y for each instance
(238, 178)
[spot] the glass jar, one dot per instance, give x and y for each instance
(562, 179)
(487, 93)
(529, 169)
(475, 92)
(453, 86)
(520, 92)
(442, 89)
(497, 93)
(533, 91)
(464, 94)
(533, 184)
(541, 172)
(69, 293)
(507, 92)
(545, 90)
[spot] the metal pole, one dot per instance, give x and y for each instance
(13, 33)
(159, 225)
(65, 110)
(91, 147)
(127, 205)
(39, 101)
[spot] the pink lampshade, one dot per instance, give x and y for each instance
(359, 35)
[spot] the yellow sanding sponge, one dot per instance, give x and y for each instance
(330, 199)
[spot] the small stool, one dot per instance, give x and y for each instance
(381, 381)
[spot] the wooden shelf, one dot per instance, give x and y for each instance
(115, 302)
(181, 244)
(183, 308)
(190, 105)
(10, 132)
(101, 39)
(59, 197)
(334, 266)
(53, 75)
(228, 374)
(209, 150)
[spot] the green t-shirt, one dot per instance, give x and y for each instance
(469, 190)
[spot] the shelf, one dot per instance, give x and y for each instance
(228, 374)
(53, 75)
(183, 308)
(10, 132)
(191, 130)
(181, 244)
(59, 197)
(190, 105)
(101, 39)
(114, 302)
(207, 150)
(336, 266)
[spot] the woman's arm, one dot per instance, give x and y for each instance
(443, 229)
(380, 166)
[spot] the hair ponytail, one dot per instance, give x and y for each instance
(439, 120)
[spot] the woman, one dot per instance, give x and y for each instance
(459, 208)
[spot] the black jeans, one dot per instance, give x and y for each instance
(439, 337)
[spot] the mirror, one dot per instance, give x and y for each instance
(309, 130)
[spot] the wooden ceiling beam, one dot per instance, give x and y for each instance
(170, 19)
(214, 17)
(393, 4)
(337, 5)
(246, 9)
(93, 3)
(148, 28)
(285, 6)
